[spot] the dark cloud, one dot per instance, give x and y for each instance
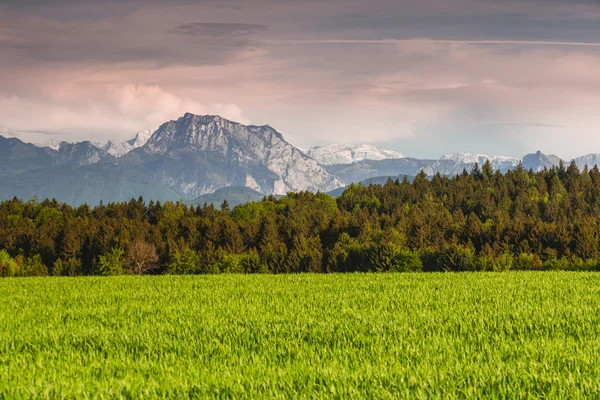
(213, 29)
(501, 25)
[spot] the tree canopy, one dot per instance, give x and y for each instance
(478, 220)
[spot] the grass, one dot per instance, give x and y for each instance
(512, 335)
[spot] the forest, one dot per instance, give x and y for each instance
(480, 220)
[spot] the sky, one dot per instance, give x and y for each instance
(425, 78)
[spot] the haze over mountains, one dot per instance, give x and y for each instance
(195, 156)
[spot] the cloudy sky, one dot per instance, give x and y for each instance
(425, 77)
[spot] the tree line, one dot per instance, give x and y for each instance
(480, 220)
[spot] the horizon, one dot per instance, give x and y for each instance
(422, 79)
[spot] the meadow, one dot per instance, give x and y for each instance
(486, 335)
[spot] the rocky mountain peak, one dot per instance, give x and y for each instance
(538, 161)
(82, 153)
(265, 161)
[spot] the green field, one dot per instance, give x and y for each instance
(510, 335)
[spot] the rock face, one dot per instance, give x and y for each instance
(539, 161)
(82, 153)
(347, 153)
(200, 154)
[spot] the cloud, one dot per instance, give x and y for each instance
(439, 41)
(495, 77)
(154, 106)
(110, 112)
(211, 30)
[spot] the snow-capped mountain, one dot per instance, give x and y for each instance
(140, 139)
(52, 143)
(590, 160)
(119, 148)
(116, 148)
(349, 153)
(501, 163)
(200, 154)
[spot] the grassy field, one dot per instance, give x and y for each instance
(484, 335)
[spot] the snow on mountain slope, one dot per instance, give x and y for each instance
(140, 139)
(349, 153)
(52, 143)
(501, 163)
(118, 148)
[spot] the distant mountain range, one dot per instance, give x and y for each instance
(115, 148)
(348, 154)
(208, 159)
(118, 148)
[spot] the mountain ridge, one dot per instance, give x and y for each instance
(236, 154)
(195, 156)
(349, 153)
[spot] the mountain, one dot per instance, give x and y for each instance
(234, 195)
(446, 165)
(140, 139)
(208, 159)
(119, 148)
(590, 160)
(17, 156)
(539, 161)
(52, 144)
(182, 160)
(82, 153)
(468, 159)
(347, 153)
(78, 184)
(366, 169)
(197, 155)
(115, 148)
